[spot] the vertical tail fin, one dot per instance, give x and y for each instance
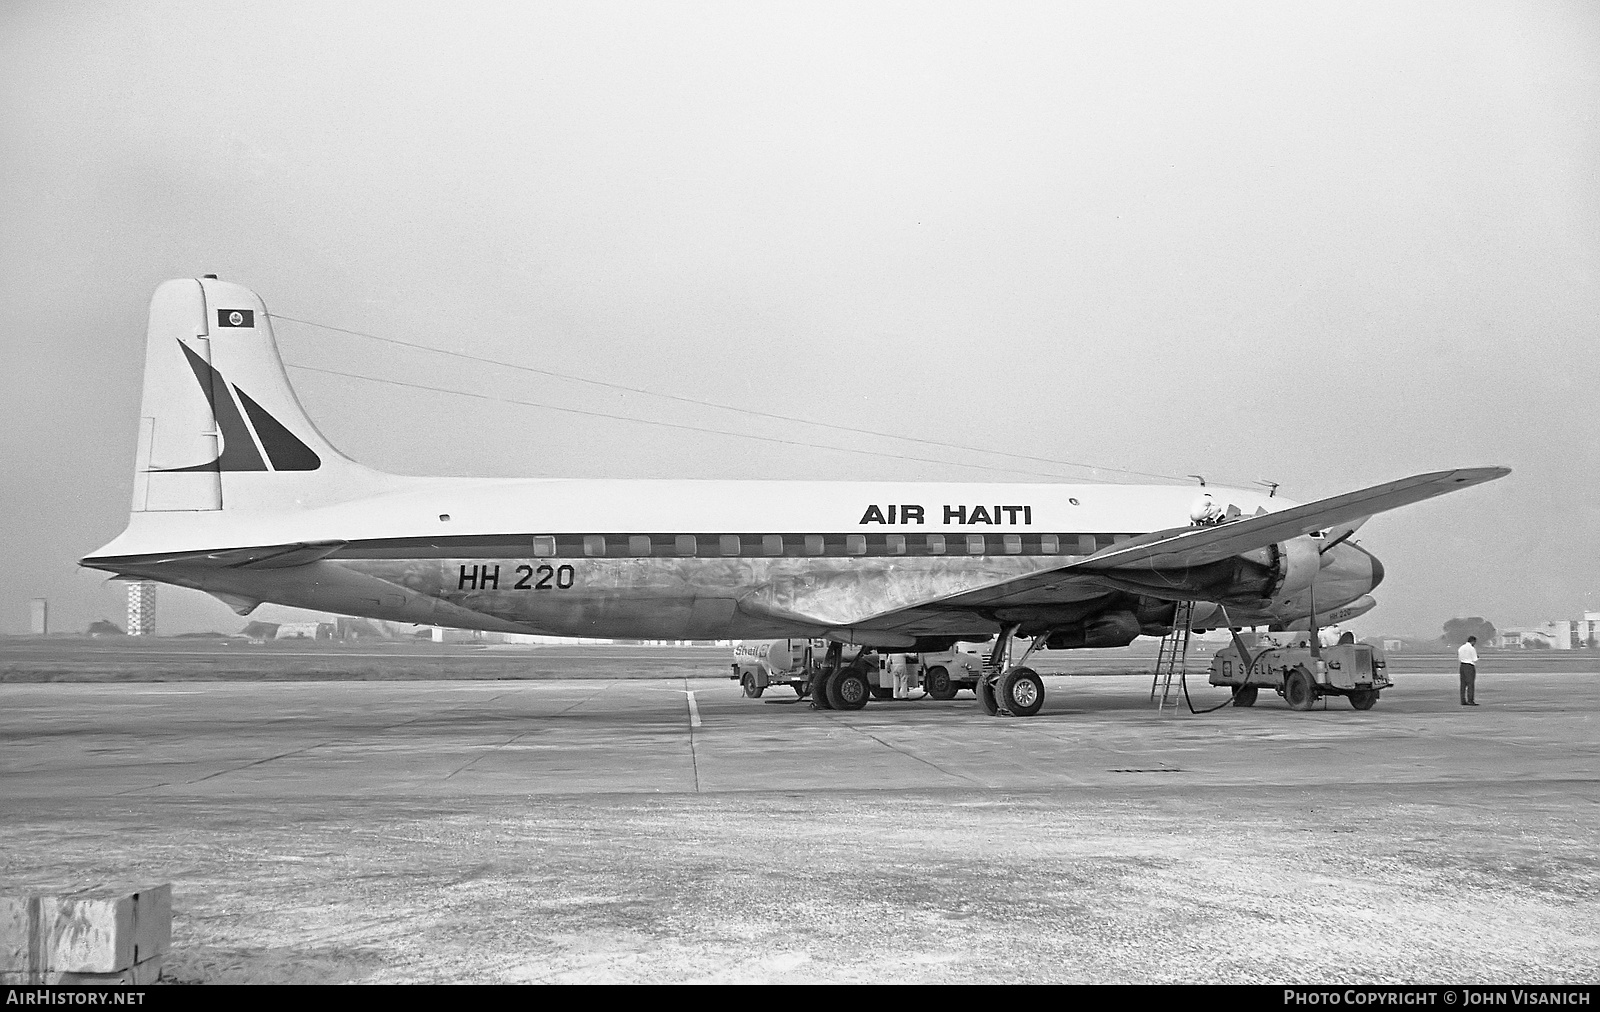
(220, 427)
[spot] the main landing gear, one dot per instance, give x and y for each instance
(841, 686)
(1011, 689)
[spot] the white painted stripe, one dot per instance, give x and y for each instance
(694, 710)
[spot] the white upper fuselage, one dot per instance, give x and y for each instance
(462, 507)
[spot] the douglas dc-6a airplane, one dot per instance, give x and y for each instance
(237, 494)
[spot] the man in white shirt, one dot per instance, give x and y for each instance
(1468, 656)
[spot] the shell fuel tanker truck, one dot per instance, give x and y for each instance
(1303, 673)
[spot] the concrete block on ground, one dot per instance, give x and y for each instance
(100, 935)
(147, 972)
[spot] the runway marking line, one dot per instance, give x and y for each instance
(694, 722)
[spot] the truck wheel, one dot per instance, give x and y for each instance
(879, 692)
(1021, 691)
(801, 690)
(849, 690)
(1362, 699)
(938, 683)
(1246, 696)
(1299, 690)
(985, 692)
(751, 689)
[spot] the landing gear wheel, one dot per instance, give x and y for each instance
(1362, 699)
(751, 689)
(1246, 696)
(985, 691)
(1021, 691)
(848, 690)
(879, 692)
(819, 690)
(937, 682)
(1299, 690)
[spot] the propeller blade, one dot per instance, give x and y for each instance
(1316, 630)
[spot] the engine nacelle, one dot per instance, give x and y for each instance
(1294, 564)
(1110, 629)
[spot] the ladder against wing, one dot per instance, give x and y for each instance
(1171, 657)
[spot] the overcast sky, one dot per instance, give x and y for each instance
(1325, 245)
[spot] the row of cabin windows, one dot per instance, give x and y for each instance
(774, 545)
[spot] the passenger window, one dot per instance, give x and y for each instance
(687, 545)
(1049, 544)
(1013, 543)
(895, 543)
(729, 544)
(639, 544)
(594, 545)
(1086, 544)
(936, 544)
(975, 544)
(855, 544)
(814, 544)
(543, 548)
(772, 544)
(1117, 539)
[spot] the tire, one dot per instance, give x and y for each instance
(1021, 691)
(879, 692)
(937, 682)
(1299, 690)
(849, 690)
(801, 690)
(819, 690)
(1246, 696)
(751, 689)
(1362, 699)
(986, 697)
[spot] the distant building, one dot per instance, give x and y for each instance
(39, 616)
(259, 632)
(305, 631)
(1570, 634)
(142, 608)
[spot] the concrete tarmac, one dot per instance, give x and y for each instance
(610, 830)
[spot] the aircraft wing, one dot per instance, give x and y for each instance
(1194, 546)
(1182, 547)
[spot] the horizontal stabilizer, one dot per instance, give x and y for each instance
(1182, 547)
(267, 557)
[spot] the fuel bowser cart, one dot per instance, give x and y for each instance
(1303, 672)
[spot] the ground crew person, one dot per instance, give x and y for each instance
(1468, 656)
(900, 667)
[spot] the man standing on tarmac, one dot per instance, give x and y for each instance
(1468, 656)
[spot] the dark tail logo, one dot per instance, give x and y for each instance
(285, 451)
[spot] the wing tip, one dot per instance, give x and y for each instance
(1477, 475)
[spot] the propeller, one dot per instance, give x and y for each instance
(1238, 642)
(1316, 631)
(1345, 532)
